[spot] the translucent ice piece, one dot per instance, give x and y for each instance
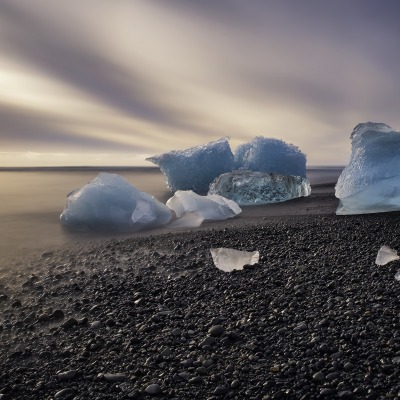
(110, 202)
(195, 168)
(370, 182)
(255, 188)
(188, 220)
(212, 207)
(397, 276)
(386, 255)
(228, 260)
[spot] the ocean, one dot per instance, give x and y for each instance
(32, 200)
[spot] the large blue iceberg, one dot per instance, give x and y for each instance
(110, 202)
(370, 183)
(272, 156)
(195, 168)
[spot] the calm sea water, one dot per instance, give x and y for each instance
(31, 202)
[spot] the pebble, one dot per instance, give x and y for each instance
(319, 376)
(67, 375)
(216, 330)
(118, 377)
(64, 393)
(69, 323)
(220, 391)
(95, 325)
(154, 389)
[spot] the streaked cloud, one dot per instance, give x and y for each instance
(140, 77)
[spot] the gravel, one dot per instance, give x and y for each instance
(152, 317)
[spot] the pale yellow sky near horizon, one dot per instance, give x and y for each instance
(111, 83)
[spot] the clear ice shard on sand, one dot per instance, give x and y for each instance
(195, 168)
(110, 202)
(210, 207)
(256, 188)
(370, 183)
(228, 260)
(271, 155)
(386, 255)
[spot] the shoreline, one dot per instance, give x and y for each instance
(118, 319)
(321, 201)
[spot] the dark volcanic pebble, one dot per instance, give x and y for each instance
(152, 316)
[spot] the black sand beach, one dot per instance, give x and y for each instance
(151, 316)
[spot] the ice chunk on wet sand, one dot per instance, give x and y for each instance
(228, 260)
(110, 202)
(211, 207)
(195, 168)
(255, 188)
(386, 255)
(370, 183)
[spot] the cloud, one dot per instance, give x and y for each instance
(152, 76)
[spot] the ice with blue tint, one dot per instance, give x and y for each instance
(210, 207)
(256, 188)
(110, 202)
(271, 155)
(370, 183)
(195, 168)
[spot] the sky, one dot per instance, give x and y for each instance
(100, 82)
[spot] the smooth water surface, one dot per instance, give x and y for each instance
(31, 202)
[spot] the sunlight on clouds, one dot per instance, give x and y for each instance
(130, 79)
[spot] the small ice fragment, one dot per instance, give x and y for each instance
(397, 276)
(188, 220)
(211, 207)
(386, 255)
(228, 260)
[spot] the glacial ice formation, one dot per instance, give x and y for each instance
(110, 202)
(386, 255)
(211, 207)
(370, 183)
(256, 188)
(271, 155)
(228, 260)
(195, 168)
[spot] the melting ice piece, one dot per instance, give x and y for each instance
(195, 168)
(386, 255)
(110, 202)
(370, 183)
(211, 207)
(229, 259)
(255, 188)
(397, 276)
(188, 220)
(271, 155)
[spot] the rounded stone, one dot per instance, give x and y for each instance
(216, 330)
(154, 389)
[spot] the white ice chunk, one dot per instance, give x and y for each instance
(255, 188)
(370, 183)
(195, 168)
(188, 220)
(386, 255)
(211, 207)
(228, 260)
(271, 155)
(397, 276)
(110, 202)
